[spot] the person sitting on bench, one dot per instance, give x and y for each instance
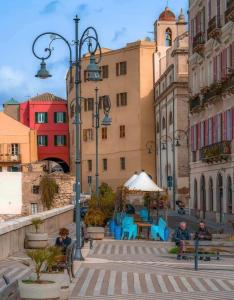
(63, 240)
(181, 235)
(202, 234)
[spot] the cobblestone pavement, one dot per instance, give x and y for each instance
(145, 270)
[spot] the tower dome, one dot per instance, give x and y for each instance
(167, 15)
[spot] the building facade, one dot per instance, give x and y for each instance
(211, 69)
(171, 105)
(128, 80)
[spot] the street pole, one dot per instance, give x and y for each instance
(96, 128)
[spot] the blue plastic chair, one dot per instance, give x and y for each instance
(144, 214)
(129, 229)
(160, 230)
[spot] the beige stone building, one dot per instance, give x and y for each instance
(211, 68)
(171, 105)
(128, 80)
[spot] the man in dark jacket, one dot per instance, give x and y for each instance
(181, 235)
(202, 234)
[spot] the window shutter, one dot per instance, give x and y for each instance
(215, 129)
(206, 132)
(199, 135)
(64, 140)
(117, 69)
(192, 138)
(224, 133)
(64, 117)
(117, 99)
(85, 135)
(225, 62)
(232, 56)
(55, 117)
(46, 118)
(215, 68)
(36, 117)
(46, 140)
(232, 123)
(55, 140)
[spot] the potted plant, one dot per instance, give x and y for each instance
(95, 221)
(52, 273)
(36, 240)
(36, 287)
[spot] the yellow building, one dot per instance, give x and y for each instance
(18, 145)
(128, 144)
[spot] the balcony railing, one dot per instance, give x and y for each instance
(229, 13)
(216, 152)
(7, 158)
(195, 103)
(199, 42)
(214, 27)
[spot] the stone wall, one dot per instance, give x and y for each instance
(12, 233)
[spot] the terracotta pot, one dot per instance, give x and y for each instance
(35, 291)
(36, 240)
(96, 233)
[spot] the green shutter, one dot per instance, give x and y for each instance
(55, 140)
(64, 140)
(46, 140)
(46, 118)
(36, 117)
(64, 117)
(55, 117)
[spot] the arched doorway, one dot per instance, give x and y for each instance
(229, 195)
(61, 162)
(203, 196)
(211, 195)
(219, 202)
(195, 195)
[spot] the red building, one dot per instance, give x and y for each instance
(48, 115)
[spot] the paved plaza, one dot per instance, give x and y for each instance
(145, 270)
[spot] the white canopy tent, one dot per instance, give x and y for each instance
(143, 183)
(130, 180)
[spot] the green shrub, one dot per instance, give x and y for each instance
(174, 250)
(48, 188)
(36, 222)
(94, 217)
(39, 258)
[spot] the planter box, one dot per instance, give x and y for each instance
(36, 240)
(35, 291)
(96, 233)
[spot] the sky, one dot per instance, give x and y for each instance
(117, 22)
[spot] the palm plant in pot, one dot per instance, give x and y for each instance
(37, 239)
(36, 287)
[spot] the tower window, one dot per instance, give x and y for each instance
(168, 37)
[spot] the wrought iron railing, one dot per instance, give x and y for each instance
(229, 13)
(216, 152)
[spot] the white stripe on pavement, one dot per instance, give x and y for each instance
(198, 284)
(108, 250)
(149, 283)
(136, 283)
(147, 250)
(162, 284)
(111, 287)
(132, 250)
(100, 250)
(124, 283)
(223, 285)
(156, 251)
(186, 284)
(140, 250)
(124, 250)
(86, 282)
(98, 285)
(116, 249)
(211, 284)
(174, 284)
(79, 272)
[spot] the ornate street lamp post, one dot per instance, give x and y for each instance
(90, 38)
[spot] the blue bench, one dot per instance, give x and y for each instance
(160, 230)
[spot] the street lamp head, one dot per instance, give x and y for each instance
(43, 73)
(93, 70)
(106, 120)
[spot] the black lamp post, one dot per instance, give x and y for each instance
(90, 38)
(96, 124)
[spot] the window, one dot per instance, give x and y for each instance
(121, 68)
(41, 117)
(209, 10)
(229, 125)
(122, 131)
(104, 133)
(14, 169)
(72, 111)
(35, 189)
(105, 71)
(122, 163)
(170, 118)
(0, 169)
(85, 75)
(14, 149)
(90, 165)
(60, 140)
(34, 208)
(219, 128)
(121, 99)
(88, 104)
(168, 37)
(163, 123)
(210, 133)
(218, 13)
(104, 164)
(157, 127)
(42, 140)
(60, 117)
(87, 135)
(102, 100)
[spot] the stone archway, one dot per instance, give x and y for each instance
(211, 195)
(203, 196)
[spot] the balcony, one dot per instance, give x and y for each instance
(199, 43)
(216, 152)
(229, 13)
(228, 84)
(10, 158)
(195, 103)
(214, 28)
